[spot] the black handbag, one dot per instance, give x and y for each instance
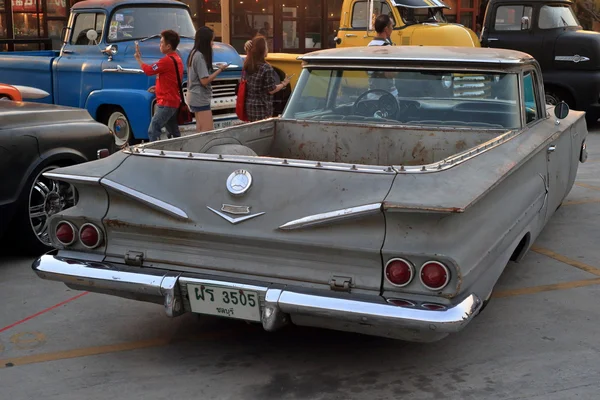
(184, 116)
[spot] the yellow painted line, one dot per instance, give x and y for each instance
(574, 263)
(585, 185)
(576, 202)
(107, 349)
(546, 288)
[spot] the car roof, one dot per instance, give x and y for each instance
(109, 4)
(421, 54)
(531, 1)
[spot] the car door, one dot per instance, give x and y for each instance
(511, 27)
(558, 150)
(358, 29)
(78, 70)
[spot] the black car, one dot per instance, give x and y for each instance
(550, 32)
(36, 138)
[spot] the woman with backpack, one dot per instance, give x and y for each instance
(200, 76)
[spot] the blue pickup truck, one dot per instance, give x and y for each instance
(95, 68)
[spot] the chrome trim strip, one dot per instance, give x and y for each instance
(332, 216)
(71, 178)
(164, 287)
(234, 220)
(124, 70)
(144, 198)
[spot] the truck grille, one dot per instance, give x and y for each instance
(471, 86)
(224, 88)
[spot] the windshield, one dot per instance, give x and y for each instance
(442, 98)
(133, 23)
(557, 17)
(420, 15)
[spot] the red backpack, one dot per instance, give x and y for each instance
(240, 105)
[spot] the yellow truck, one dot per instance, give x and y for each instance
(416, 23)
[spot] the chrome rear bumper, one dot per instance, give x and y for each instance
(280, 303)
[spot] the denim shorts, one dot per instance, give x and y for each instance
(195, 109)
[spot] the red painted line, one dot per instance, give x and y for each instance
(42, 312)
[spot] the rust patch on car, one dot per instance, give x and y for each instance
(115, 223)
(461, 145)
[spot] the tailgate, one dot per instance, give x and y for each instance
(175, 226)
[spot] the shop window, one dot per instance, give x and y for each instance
(508, 18)
(26, 25)
(360, 13)
(466, 19)
(55, 32)
(57, 8)
(83, 23)
(3, 31)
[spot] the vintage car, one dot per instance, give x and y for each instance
(19, 92)
(356, 210)
(37, 138)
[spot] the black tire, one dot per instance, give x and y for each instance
(555, 95)
(29, 225)
(116, 119)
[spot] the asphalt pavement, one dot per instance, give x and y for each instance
(539, 338)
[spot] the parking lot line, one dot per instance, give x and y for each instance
(111, 348)
(585, 185)
(576, 202)
(574, 263)
(42, 312)
(546, 288)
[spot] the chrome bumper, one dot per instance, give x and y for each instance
(366, 314)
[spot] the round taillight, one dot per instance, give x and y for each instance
(434, 275)
(401, 303)
(90, 236)
(399, 272)
(65, 233)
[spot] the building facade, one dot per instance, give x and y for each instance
(294, 26)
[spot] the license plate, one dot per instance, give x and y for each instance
(226, 124)
(224, 302)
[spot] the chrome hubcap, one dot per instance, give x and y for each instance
(120, 126)
(48, 197)
(551, 99)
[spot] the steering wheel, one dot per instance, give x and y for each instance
(388, 105)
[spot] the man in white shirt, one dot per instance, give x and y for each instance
(379, 80)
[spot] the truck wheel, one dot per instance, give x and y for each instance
(117, 121)
(555, 96)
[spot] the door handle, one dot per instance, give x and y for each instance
(350, 35)
(492, 39)
(66, 51)
(551, 148)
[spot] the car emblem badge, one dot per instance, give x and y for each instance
(232, 219)
(239, 182)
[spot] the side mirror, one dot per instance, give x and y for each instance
(338, 40)
(525, 23)
(111, 50)
(561, 110)
(92, 35)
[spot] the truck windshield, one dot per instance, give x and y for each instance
(411, 97)
(421, 15)
(134, 23)
(556, 16)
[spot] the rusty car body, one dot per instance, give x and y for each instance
(357, 210)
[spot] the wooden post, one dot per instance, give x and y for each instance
(225, 21)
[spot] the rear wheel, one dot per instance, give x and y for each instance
(556, 95)
(42, 198)
(117, 121)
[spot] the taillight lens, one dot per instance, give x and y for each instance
(399, 272)
(401, 302)
(65, 233)
(434, 275)
(90, 236)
